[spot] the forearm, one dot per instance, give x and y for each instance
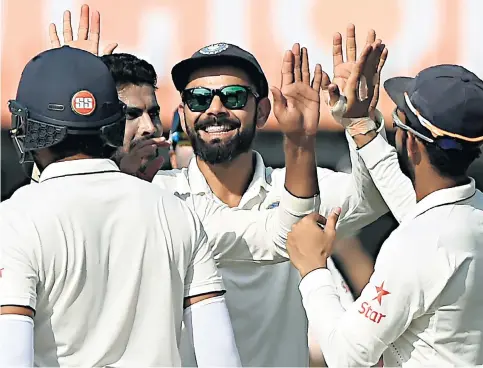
(16, 341)
(209, 327)
(338, 340)
(301, 166)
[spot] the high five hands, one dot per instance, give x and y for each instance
(296, 104)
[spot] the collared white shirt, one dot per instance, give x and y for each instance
(105, 260)
(265, 307)
(424, 303)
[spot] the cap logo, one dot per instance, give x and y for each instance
(83, 103)
(214, 49)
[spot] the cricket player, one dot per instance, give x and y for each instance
(423, 304)
(96, 267)
(224, 100)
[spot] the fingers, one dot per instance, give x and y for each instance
(54, 38)
(316, 217)
(83, 30)
(371, 37)
(358, 68)
(95, 28)
(318, 78)
(350, 44)
(109, 49)
(382, 60)
(325, 81)
(337, 56)
(334, 94)
(279, 102)
(297, 70)
(305, 67)
(287, 68)
(332, 222)
(67, 27)
(138, 145)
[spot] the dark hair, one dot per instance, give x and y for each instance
(128, 69)
(90, 145)
(451, 163)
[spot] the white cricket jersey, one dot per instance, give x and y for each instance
(424, 303)
(265, 306)
(105, 260)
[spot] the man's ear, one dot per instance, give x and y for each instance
(413, 146)
(181, 116)
(263, 112)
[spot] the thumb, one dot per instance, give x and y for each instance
(279, 101)
(109, 49)
(334, 94)
(332, 220)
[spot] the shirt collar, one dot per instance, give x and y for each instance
(442, 197)
(77, 167)
(199, 185)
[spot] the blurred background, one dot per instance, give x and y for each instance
(418, 33)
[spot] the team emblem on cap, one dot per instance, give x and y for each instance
(214, 49)
(83, 103)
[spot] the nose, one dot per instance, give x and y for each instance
(216, 107)
(146, 125)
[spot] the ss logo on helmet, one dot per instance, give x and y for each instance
(83, 103)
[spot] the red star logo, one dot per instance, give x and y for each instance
(380, 293)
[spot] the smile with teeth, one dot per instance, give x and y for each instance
(219, 128)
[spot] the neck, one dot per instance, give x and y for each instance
(79, 156)
(229, 180)
(432, 182)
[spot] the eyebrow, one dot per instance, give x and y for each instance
(137, 111)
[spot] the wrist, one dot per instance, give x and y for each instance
(319, 266)
(299, 142)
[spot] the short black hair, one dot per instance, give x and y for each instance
(451, 163)
(90, 145)
(129, 69)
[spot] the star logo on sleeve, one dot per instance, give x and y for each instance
(380, 293)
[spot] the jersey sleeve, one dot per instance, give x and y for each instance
(355, 193)
(202, 275)
(246, 235)
(381, 160)
(359, 335)
(19, 271)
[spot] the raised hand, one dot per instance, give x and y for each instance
(143, 158)
(309, 245)
(88, 35)
(370, 77)
(296, 104)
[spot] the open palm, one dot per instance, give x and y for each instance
(88, 35)
(371, 73)
(297, 102)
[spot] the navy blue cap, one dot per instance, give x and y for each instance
(69, 87)
(450, 97)
(220, 54)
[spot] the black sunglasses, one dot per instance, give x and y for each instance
(233, 97)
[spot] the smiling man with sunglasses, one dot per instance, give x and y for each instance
(224, 95)
(424, 302)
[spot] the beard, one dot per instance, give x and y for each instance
(217, 151)
(404, 162)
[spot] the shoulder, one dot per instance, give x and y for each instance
(171, 179)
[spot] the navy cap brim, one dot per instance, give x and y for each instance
(396, 87)
(182, 71)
